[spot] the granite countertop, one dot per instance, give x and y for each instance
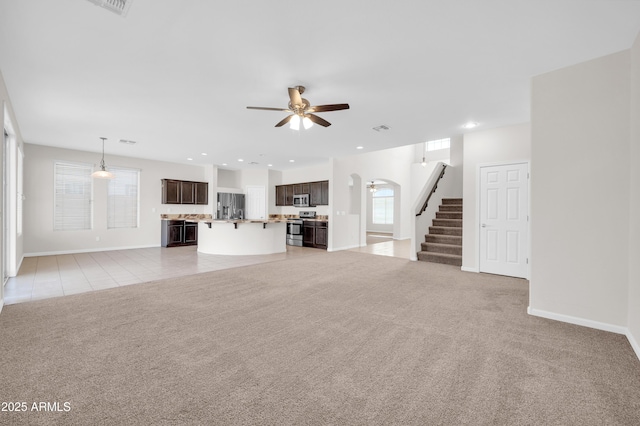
(271, 220)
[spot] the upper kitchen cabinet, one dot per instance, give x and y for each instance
(188, 193)
(301, 188)
(318, 193)
(171, 191)
(184, 192)
(202, 193)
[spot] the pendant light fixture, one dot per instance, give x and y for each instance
(372, 187)
(102, 173)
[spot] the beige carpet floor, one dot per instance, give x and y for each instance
(338, 338)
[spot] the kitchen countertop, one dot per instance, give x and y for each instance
(244, 220)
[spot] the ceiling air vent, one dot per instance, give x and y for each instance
(120, 7)
(381, 128)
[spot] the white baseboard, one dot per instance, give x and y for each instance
(578, 321)
(634, 343)
(467, 269)
(343, 248)
(53, 253)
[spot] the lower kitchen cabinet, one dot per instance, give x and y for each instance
(315, 234)
(178, 233)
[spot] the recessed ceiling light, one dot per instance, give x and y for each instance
(189, 159)
(470, 125)
(224, 164)
(240, 160)
(292, 161)
(269, 165)
(359, 147)
(204, 153)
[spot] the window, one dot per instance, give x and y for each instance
(72, 196)
(383, 206)
(438, 144)
(123, 201)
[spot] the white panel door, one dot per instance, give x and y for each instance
(504, 217)
(256, 203)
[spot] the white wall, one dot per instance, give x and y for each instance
(494, 146)
(580, 190)
(391, 165)
(39, 236)
(634, 202)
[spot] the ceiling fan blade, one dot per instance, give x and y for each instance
(294, 95)
(285, 120)
(318, 120)
(269, 109)
(326, 108)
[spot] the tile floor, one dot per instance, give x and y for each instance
(59, 275)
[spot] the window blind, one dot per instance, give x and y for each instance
(123, 199)
(72, 196)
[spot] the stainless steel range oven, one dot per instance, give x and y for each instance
(294, 227)
(294, 232)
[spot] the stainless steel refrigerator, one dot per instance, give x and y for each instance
(230, 206)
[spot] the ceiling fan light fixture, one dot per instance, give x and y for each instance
(102, 173)
(307, 123)
(294, 123)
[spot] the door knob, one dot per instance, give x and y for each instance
(484, 225)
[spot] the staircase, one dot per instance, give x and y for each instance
(443, 243)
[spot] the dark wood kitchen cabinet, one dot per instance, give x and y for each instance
(315, 234)
(184, 192)
(202, 193)
(188, 190)
(318, 193)
(171, 191)
(179, 233)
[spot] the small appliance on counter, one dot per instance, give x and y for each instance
(294, 228)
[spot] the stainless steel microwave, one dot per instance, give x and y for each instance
(301, 200)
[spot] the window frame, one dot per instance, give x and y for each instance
(88, 219)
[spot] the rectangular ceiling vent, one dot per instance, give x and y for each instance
(120, 7)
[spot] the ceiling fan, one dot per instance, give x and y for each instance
(302, 111)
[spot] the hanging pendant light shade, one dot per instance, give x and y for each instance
(372, 187)
(102, 173)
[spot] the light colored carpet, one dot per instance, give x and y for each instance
(338, 338)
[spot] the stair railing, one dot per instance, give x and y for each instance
(433, 189)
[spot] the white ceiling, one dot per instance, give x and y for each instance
(176, 76)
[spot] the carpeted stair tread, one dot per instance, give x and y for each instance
(450, 207)
(454, 223)
(449, 215)
(443, 239)
(445, 230)
(442, 248)
(449, 259)
(452, 201)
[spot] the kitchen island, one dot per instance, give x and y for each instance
(242, 237)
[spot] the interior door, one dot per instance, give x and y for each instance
(504, 217)
(256, 203)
